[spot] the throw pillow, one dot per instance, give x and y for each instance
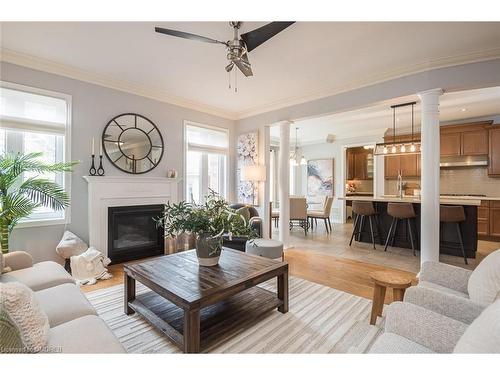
(10, 337)
(19, 303)
(483, 335)
(70, 245)
(484, 282)
(244, 212)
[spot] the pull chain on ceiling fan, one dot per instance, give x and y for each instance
(239, 46)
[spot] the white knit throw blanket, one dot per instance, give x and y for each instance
(90, 266)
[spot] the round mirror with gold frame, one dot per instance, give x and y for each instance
(132, 143)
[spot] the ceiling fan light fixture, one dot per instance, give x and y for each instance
(238, 47)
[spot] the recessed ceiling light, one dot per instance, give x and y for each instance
(464, 109)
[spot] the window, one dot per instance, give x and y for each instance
(34, 120)
(206, 161)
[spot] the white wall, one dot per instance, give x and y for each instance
(93, 107)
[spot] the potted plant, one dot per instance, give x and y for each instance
(19, 196)
(208, 222)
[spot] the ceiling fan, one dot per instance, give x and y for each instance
(240, 45)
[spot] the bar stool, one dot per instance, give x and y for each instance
(400, 211)
(364, 209)
(454, 215)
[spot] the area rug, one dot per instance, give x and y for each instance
(320, 320)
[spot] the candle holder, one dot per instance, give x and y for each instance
(92, 170)
(100, 170)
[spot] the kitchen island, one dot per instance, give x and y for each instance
(449, 240)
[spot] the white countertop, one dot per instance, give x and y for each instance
(471, 197)
(470, 201)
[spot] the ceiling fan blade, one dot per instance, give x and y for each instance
(182, 34)
(256, 37)
(243, 64)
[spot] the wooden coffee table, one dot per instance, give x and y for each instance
(196, 306)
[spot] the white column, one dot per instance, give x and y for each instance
(284, 182)
(266, 192)
(430, 153)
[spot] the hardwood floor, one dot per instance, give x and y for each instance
(337, 244)
(327, 259)
(343, 274)
(348, 275)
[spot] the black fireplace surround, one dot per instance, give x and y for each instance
(132, 232)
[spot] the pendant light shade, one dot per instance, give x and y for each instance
(411, 146)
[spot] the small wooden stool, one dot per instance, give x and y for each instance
(384, 280)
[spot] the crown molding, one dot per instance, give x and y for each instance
(37, 63)
(445, 62)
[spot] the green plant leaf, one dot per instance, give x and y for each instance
(18, 199)
(45, 192)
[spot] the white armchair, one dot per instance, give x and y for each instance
(457, 292)
(414, 329)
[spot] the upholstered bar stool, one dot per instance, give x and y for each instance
(454, 215)
(400, 211)
(363, 210)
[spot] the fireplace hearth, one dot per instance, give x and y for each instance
(132, 232)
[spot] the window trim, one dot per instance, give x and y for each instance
(208, 149)
(66, 219)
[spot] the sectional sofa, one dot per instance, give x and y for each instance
(74, 324)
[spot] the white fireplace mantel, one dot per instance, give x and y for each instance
(114, 191)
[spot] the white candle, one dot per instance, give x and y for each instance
(100, 149)
(93, 151)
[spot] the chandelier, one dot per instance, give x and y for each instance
(295, 154)
(411, 146)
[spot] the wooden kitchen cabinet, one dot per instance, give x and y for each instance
(409, 165)
(451, 144)
(494, 151)
(465, 139)
(360, 166)
(495, 219)
(483, 218)
(391, 164)
(475, 142)
(357, 164)
(350, 165)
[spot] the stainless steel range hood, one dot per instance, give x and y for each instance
(463, 161)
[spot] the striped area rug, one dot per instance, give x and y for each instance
(320, 320)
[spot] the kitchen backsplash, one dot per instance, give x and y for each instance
(459, 181)
(363, 186)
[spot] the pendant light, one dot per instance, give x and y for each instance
(400, 148)
(294, 155)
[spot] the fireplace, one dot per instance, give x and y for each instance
(132, 232)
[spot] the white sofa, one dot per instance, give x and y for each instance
(74, 324)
